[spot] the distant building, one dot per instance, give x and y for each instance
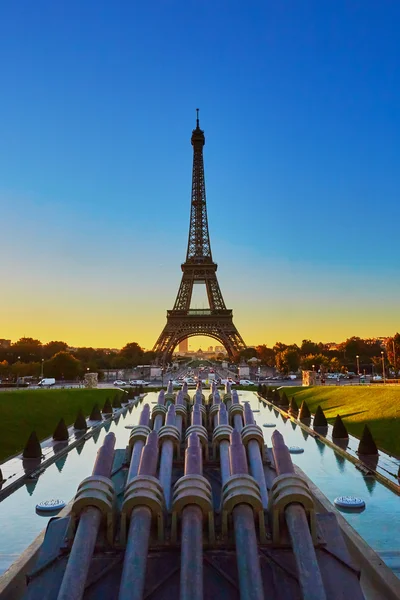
(5, 343)
(210, 349)
(184, 345)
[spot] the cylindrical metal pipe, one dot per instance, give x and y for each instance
(257, 469)
(310, 579)
(296, 520)
(167, 454)
(74, 580)
(224, 461)
(191, 587)
(238, 422)
(137, 547)
(134, 570)
(248, 562)
(135, 460)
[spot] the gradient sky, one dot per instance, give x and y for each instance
(300, 103)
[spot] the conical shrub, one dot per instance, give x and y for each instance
(32, 448)
(293, 408)
(339, 430)
(116, 402)
(141, 390)
(304, 413)
(367, 444)
(61, 432)
(80, 421)
(107, 408)
(319, 418)
(276, 397)
(95, 415)
(259, 389)
(284, 402)
(1, 476)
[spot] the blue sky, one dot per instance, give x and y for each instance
(300, 106)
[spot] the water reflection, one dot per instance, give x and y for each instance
(30, 485)
(304, 433)
(107, 426)
(370, 483)
(80, 447)
(61, 462)
(97, 434)
(320, 445)
(293, 424)
(341, 461)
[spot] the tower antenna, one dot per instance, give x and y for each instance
(197, 117)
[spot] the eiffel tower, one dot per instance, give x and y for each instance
(182, 321)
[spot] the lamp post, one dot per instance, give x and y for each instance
(358, 365)
(41, 372)
(394, 359)
(383, 366)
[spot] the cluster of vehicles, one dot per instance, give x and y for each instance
(121, 383)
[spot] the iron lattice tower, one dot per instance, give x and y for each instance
(182, 321)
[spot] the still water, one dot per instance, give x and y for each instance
(379, 524)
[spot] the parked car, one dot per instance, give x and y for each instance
(47, 381)
(138, 382)
(119, 382)
(377, 378)
(246, 382)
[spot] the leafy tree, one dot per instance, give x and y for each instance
(319, 361)
(393, 351)
(308, 347)
(288, 360)
(133, 354)
(26, 350)
(63, 366)
(52, 348)
(266, 355)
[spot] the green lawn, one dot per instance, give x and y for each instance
(26, 410)
(379, 407)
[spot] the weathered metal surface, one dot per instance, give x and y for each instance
(73, 584)
(134, 570)
(299, 531)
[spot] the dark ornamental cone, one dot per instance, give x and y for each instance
(319, 418)
(80, 422)
(141, 389)
(32, 448)
(304, 414)
(284, 402)
(398, 474)
(259, 389)
(95, 415)
(107, 408)
(293, 408)
(339, 429)
(116, 402)
(1, 477)
(268, 393)
(61, 432)
(367, 445)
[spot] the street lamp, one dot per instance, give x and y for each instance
(41, 372)
(313, 368)
(358, 365)
(383, 366)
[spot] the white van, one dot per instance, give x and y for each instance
(47, 381)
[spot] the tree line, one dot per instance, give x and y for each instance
(29, 357)
(355, 354)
